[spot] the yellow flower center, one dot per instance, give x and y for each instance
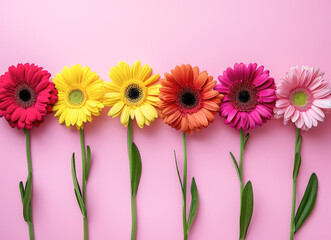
(76, 97)
(135, 92)
(300, 98)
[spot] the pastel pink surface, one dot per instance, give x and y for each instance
(213, 36)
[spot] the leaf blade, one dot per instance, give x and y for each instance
(136, 169)
(88, 163)
(235, 164)
(307, 203)
(77, 189)
(246, 211)
(194, 204)
(297, 164)
(27, 199)
(180, 179)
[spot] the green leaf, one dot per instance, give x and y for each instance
(88, 155)
(235, 164)
(136, 170)
(297, 164)
(180, 180)
(21, 190)
(27, 200)
(194, 204)
(298, 144)
(246, 139)
(307, 203)
(246, 211)
(78, 192)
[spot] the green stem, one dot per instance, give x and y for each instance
(184, 187)
(294, 187)
(133, 197)
(241, 170)
(241, 161)
(82, 145)
(28, 156)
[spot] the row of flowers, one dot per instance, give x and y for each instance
(187, 99)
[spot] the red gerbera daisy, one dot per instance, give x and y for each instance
(26, 95)
(188, 101)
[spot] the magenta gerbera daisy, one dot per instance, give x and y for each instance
(249, 96)
(26, 95)
(302, 96)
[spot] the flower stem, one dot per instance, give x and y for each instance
(184, 187)
(241, 170)
(28, 156)
(294, 187)
(82, 145)
(133, 196)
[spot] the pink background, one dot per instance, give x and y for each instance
(211, 35)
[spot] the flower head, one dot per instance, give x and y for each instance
(249, 96)
(26, 95)
(133, 92)
(80, 96)
(188, 101)
(302, 96)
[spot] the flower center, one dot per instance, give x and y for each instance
(300, 98)
(188, 99)
(24, 95)
(133, 93)
(76, 97)
(244, 96)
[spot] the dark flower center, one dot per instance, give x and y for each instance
(134, 93)
(25, 95)
(188, 99)
(244, 96)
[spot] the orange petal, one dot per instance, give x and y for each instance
(200, 80)
(202, 118)
(210, 94)
(210, 84)
(212, 106)
(184, 124)
(208, 114)
(171, 118)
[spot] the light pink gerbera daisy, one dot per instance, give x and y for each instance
(249, 96)
(302, 96)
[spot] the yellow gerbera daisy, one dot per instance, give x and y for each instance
(80, 96)
(133, 92)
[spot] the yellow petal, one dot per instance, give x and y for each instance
(126, 69)
(116, 75)
(63, 116)
(116, 108)
(125, 115)
(149, 112)
(135, 68)
(152, 79)
(139, 117)
(144, 73)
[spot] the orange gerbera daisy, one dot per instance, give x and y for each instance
(188, 99)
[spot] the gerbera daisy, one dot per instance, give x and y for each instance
(26, 95)
(188, 101)
(249, 99)
(249, 96)
(302, 96)
(80, 96)
(132, 93)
